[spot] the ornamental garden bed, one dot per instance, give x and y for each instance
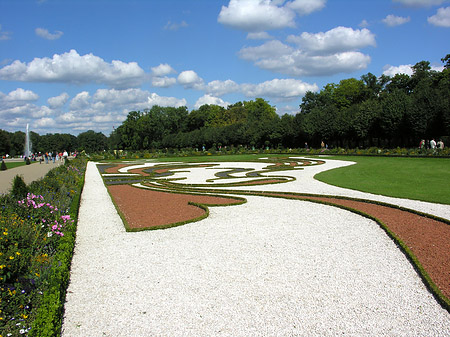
(167, 202)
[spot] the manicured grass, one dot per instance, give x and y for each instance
(426, 179)
(12, 164)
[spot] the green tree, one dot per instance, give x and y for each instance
(91, 141)
(5, 142)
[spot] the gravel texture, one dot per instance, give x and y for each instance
(270, 267)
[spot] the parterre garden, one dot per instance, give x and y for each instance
(38, 223)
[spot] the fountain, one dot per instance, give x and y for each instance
(27, 144)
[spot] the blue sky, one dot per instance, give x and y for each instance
(68, 66)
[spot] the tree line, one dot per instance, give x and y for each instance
(13, 143)
(386, 111)
(383, 111)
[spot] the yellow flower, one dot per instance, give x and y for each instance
(17, 253)
(11, 257)
(24, 316)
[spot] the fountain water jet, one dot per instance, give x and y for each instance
(27, 144)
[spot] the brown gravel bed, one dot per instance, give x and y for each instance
(147, 208)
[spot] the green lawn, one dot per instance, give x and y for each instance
(12, 164)
(426, 179)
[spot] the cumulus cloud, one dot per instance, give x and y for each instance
(441, 18)
(270, 50)
(261, 15)
(401, 69)
(208, 99)
(80, 101)
(190, 79)
(45, 34)
(73, 68)
(392, 20)
(162, 70)
(338, 39)
(58, 101)
(20, 95)
(219, 88)
(155, 99)
(256, 15)
(163, 82)
(320, 54)
(280, 89)
(407, 69)
(419, 3)
(304, 7)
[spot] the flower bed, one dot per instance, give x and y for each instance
(36, 244)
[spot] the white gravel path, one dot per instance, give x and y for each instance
(270, 267)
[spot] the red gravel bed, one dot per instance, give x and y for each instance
(147, 208)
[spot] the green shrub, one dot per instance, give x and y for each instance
(19, 188)
(3, 166)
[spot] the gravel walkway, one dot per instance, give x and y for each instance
(29, 173)
(270, 267)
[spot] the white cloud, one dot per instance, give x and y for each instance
(163, 82)
(392, 20)
(120, 98)
(58, 101)
(45, 34)
(280, 89)
(45, 122)
(162, 70)
(269, 50)
(321, 54)
(256, 15)
(80, 101)
(304, 7)
(190, 79)
(20, 95)
(72, 68)
(419, 3)
(219, 88)
(208, 99)
(405, 69)
(155, 99)
(338, 39)
(441, 18)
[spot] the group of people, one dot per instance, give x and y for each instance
(52, 156)
(431, 144)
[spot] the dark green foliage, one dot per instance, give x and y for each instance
(19, 188)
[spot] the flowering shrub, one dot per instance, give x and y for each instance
(36, 244)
